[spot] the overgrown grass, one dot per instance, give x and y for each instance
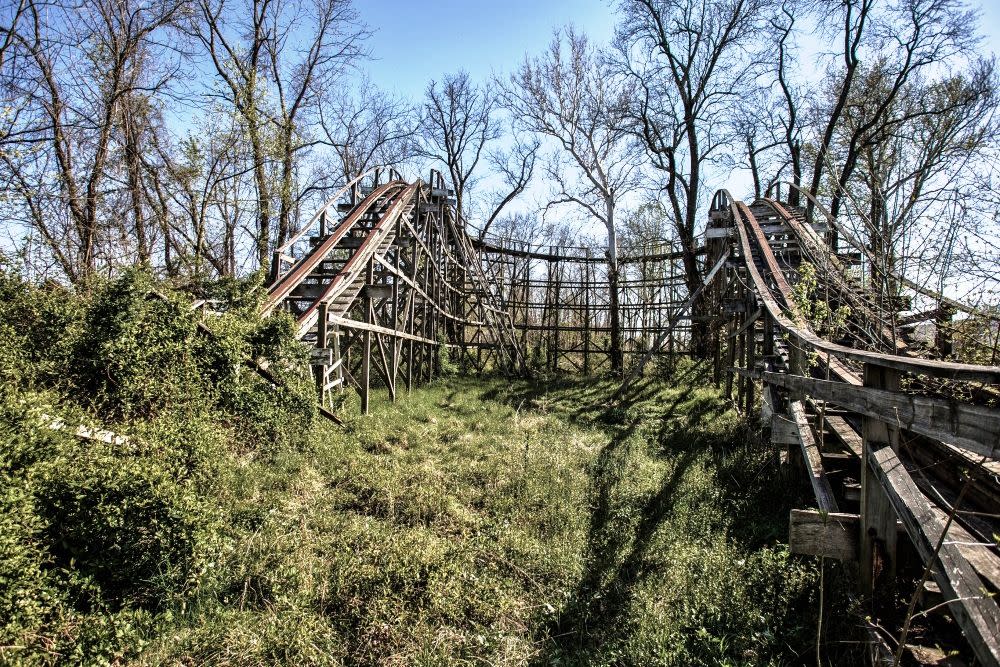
(685, 562)
(473, 522)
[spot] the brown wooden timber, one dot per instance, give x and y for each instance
(821, 533)
(878, 520)
(977, 613)
(973, 427)
(825, 498)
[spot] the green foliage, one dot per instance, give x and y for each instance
(826, 321)
(100, 540)
(37, 329)
(684, 563)
(488, 522)
(446, 365)
(136, 356)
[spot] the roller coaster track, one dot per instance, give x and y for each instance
(384, 279)
(379, 293)
(878, 429)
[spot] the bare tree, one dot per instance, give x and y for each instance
(457, 124)
(77, 77)
(274, 89)
(782, 34)
(197, 184)
(902, 42)
(573, 97)
(913, 171)
(854, 17)
(367, 128)
(755, 137)
(691, 59)
(516, 168)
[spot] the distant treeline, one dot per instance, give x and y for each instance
(196, 135)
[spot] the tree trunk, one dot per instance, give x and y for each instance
(700, 329)
(287, 177)
(134, 168)
(263, 195)
(616, 356)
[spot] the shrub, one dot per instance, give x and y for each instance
(99, 540)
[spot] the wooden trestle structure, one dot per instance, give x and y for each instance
(904, 472)
(558, 301)
(901, 448)
(381, 292)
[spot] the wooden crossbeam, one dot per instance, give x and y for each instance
(974, 427)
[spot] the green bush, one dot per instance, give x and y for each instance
(100, 540)
(38, 326)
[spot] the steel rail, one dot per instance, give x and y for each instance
(819, 253)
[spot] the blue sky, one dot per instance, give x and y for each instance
(419, 41)
(415, 42)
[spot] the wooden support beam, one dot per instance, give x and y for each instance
(766, 405)
(819, 533)
(973, 427)
(847, 435)
(783, 431)
(878, 520)
(366, 346)
(976, 613)
(825, 499)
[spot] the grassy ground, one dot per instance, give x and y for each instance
(474, 522)
(498, 523)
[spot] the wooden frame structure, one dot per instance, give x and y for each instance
(384, 281)
(382, 293)
(901, 471)
(558, 301)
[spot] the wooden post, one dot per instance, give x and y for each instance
(555, 317)
(751, 361)
(586, 316)
(943, 337)
(366, 343)
(394, 352)
(319, 371)
(878, 519)
(797, 365)
(768, 346)
(338, 360)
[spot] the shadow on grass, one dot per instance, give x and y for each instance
(593, 399)
(617, 555)
(677, 425)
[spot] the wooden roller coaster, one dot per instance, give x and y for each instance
(899, 443)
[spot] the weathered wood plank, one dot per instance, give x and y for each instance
(766, 405)
(828, 534)
(843, 432)
(878, 519)
(783, 431)
(825, 498)
(974, 427)
(808, 338)
(976, 613)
